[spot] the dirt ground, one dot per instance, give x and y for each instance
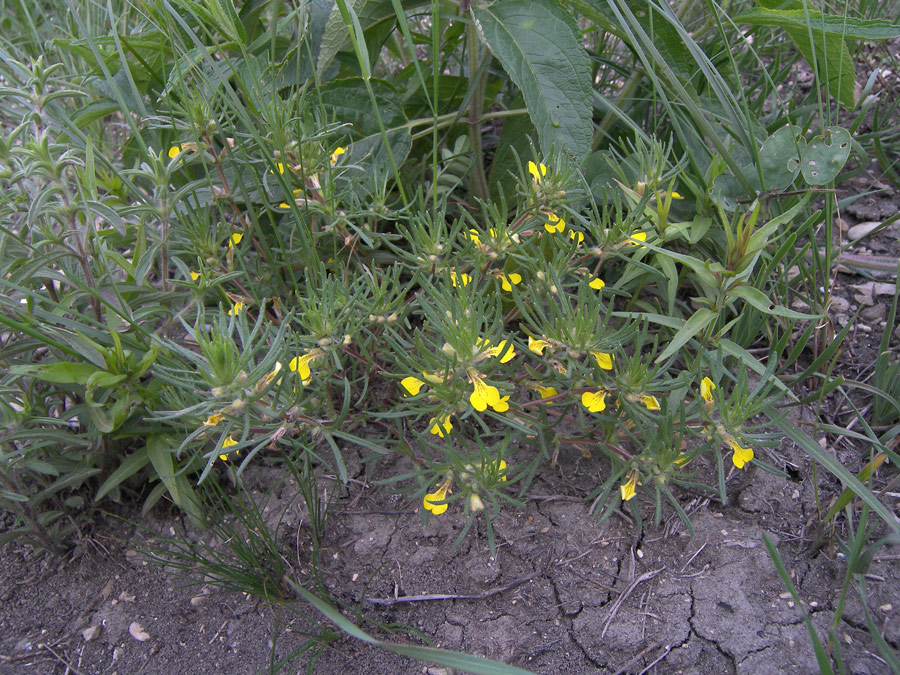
(563, 594)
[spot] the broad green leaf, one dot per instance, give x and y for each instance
(825, 156)
(335, 35)
(537, 43)
(698, 321)
(840, 26)
(514, 139)
(821, 41)
(349, 101)
(779, 157)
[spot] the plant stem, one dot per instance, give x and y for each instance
(478, 183)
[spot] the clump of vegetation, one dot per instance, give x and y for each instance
(242, 232)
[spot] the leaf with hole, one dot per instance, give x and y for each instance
(825, 156)
(779, 157)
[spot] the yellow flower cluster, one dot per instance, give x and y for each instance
(740, 456)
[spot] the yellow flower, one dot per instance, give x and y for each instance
(501, 470)
(597, 283)
(502, 405)
(176, 150)
(579, 236)
(547, 392)
(213, 420)
(267, 380)
(234, 240)
(463, 279)
(279, 166)
(649, 401)
(636, 239)
(236, 308)
(675, 195)
(682, 459)
(300, 364)
(438, 495)
(484, 395)
(336, 154)
(507, 281)
(227, 443)
(284, 205)
(412, 385)
(194, 275)
(537, 346)
(440, 426)
(604, 360)
(499, 349)
(473, 235)
(706, 389)
(554, 223)
(628, 488)
(741, 455)
(537, 171)
(594, 401)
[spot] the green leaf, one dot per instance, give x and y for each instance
(821, 41)
(537, 43)
(779, 157)
(758, 299)
(700, 320)
(335, 35)
(825, 156)
(63, 372)
(814, 450)
(129, 466)
(458, 661)
(840, 26)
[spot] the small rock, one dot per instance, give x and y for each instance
(882, 288)
(874, 314)
(198, 600)
(839, 304)
(125, 596)
(861, 230)
(90, 633)
(137, 632)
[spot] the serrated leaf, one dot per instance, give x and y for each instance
(840, 26)
(537, 43)
(335, 35)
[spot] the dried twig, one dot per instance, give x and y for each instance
(386, 602)
(646, 576)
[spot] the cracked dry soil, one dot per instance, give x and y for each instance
(563, 594)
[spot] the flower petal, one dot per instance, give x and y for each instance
(594, 401)
(649, 401)
(741, 456)
(706, 389)
(537, 346)
(604, 360)
(438, 495)
(412, 385)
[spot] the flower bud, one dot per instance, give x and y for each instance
(475, 503)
